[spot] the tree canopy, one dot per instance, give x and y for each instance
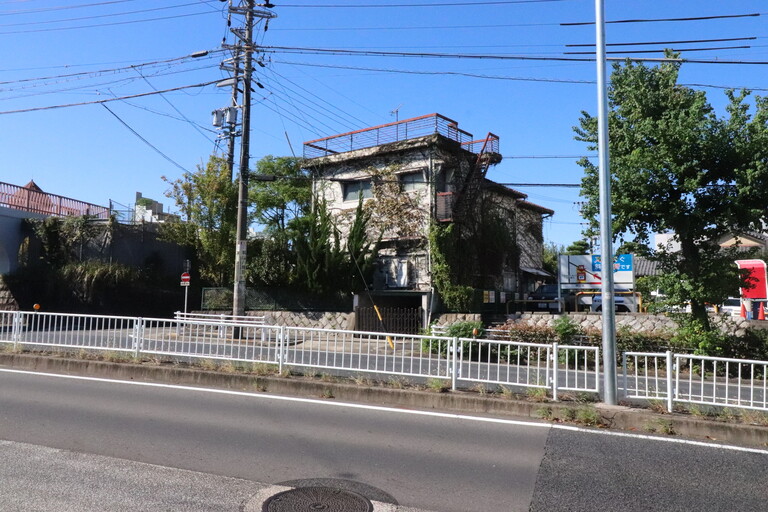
(677, 167)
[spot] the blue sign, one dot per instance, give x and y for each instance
(621, 262)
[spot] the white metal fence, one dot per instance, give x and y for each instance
(456, 360)
(695, 379)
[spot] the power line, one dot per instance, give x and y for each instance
(442, 4)
(491, 77)
(97, 16)
(145, 141)
(698, 18)
(689, 41)
(101, 25)
(662, 50)
(106, 100)
(61, 8)
(371, 53)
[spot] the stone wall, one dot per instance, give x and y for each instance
(313, 319)
(636, 322)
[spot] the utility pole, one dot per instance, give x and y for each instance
(610, 384)
(244, 51)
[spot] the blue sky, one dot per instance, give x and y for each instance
(59, 52)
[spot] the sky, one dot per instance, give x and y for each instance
(80, 52)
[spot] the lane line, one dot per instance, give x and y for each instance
(379, 408)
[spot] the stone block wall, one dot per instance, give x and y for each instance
(636, 322)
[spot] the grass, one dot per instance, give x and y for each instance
(439, 385)
(589, 416)
(362, 380)
(545, 413)
(660, 426)
(327, 393)
(537, 394)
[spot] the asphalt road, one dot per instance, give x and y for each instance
(433, 462)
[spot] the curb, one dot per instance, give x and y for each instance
(460, 402)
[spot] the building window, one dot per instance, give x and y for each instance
(353, 189)
(412, 181)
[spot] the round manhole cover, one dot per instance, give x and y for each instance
(312, 499)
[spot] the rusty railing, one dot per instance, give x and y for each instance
(29, 200)
(391, 132)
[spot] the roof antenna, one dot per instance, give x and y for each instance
(396, 112)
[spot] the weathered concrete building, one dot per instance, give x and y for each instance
(423, 179)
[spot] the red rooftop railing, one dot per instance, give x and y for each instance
(29, 200)
(393, 132)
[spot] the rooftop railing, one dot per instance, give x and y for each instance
(29, 200)
(395, 132)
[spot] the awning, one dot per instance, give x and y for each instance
(536, 271)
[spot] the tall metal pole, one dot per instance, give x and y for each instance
(606, 228)
(238, 302)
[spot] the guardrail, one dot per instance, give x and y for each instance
(457, 360)
(695, 379)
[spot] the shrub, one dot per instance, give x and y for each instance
(566, 329)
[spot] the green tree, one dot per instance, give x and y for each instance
(549, 257)
(319, 254)
(279, 191)
(578, 247)
(207, 200)
(678, 167)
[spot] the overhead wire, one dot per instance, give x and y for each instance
(145, 141)
(98, 16)
(106, 100)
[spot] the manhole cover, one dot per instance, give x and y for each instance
(311, 499)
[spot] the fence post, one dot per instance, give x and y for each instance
(554, 371)
(624, 372)
(280, 349)
(670, 386)
(16, 330)
(453, 361)
(138, 336)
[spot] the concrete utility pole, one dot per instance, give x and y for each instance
(606, 229)
(246, 8)
(238, 302)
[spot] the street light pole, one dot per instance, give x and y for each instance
(606, 229)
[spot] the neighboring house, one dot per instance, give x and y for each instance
(150, 211)
(421, 172)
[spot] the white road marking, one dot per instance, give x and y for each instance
(465, 417)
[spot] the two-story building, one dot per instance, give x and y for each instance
(424, 176)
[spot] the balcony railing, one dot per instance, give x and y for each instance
(21, 198)
(394, 132)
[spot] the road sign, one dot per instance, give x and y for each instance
(185, 279)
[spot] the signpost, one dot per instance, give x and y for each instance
(185, 283)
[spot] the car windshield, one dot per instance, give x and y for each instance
(732, 302)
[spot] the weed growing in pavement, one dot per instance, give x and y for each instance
(207, 364)
(537, 394)
(752, 417)
(657, 406)
(327, 393)
(727, 415)
(479, 388)
(545, 413)
(569, 414)
(286, 373)
(398, 383)
(660, 426)
(362, 380)
(506, 392)
(438, 385)
(589, 416)
(584, 397)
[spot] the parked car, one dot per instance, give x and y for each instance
(731, 306)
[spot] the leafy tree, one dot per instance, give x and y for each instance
(207, 200)
(319, 255)
(678, 167)
(286, 193)
(549, 257)
(578, 247)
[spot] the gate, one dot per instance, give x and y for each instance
(395, 320)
